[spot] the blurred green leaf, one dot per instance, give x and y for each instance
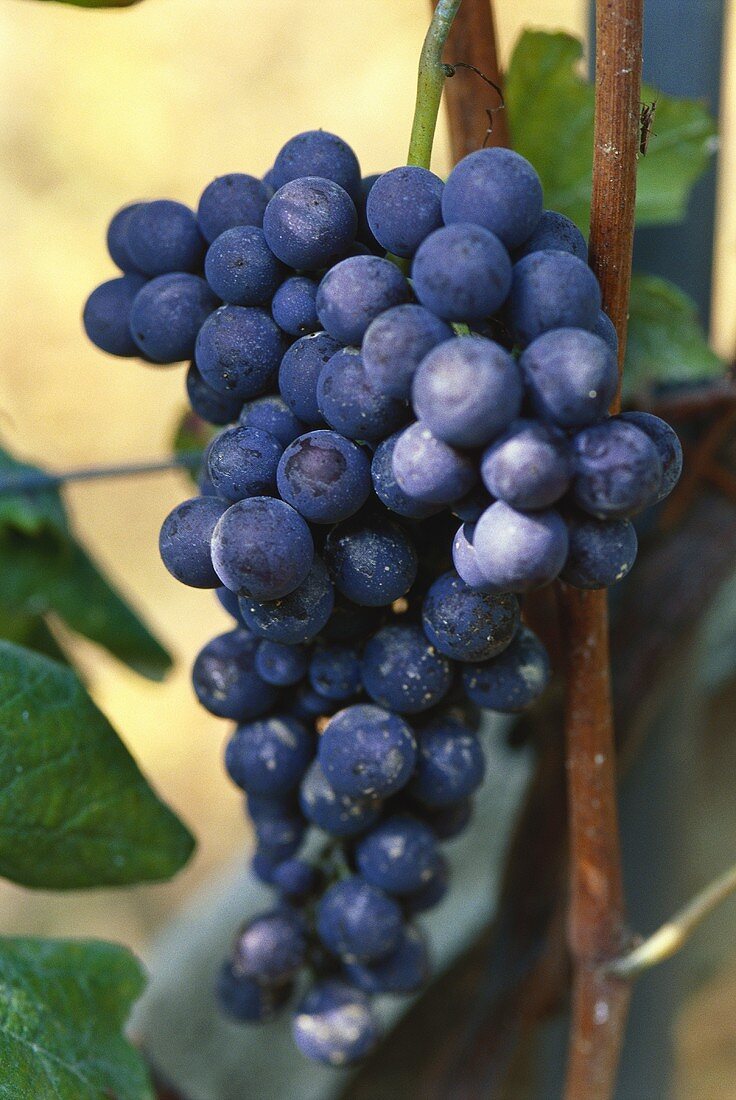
(63, 1005)
(551, 109)
(666, 342)
(75, 810)
(192, 433)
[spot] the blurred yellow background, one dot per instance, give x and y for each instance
(98, 109)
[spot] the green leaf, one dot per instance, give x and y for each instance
(75, 810)
(666, 342)
(63, 1005)
(192, 433)
(551, 109)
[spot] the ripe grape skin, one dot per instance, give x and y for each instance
(242, 463)
(163, 237)
(185, 540)
(336, 814)
(373, 561)
(365, 750)
(299, 374)
(229, 601)
(295, 878)
(230, 200)
(404, 206)
(241, 268)
(404, 672)
(399, 855)
(354, 292)
(551, 290)
(601, 551)
(324, 476)
(606, 330)
(214, 407)
(467, 625)
(226, 680)
(514, 679)
(450, 764)
(428, 470)
(270, 949)
(272, 414)
(554, 233)
(334, 672)
(117, 239)
(498, 189)
(246, 1000)
(618, 471)
(294, 306)
(432, 893)
(571, 376)
(166, 315)
(520, 551)
(297, 617)
(467, 390)
(465, 560)
(309, 223)
(461, 273)
(334, 1024)
(387, 488)
(318, 153)
(262, 548)
(529, 466)
(404, 971)
(238, 351)
(270, 756)
(668, 446)
(279, 836)
(395, 343)
(281, 665)
(472, 506)
(350, 405)
(106, 316)
(358, 922)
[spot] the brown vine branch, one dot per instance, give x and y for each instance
(596, 927)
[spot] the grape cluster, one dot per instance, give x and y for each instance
(400, 458)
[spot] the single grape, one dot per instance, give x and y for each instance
(246, 1000)
(117, 239)
(551, 290)
(606, 330)
(529, 466)
(497, 189)
(299, 374)
(318, 153)
(461, 273)
(428, 470)
(270, 949)
(166, 315)
(465, 560)
(514, 679)
(395, 344)
(262, 548)
(310, 223)
(184, 542)
(618, 471)
(399, 855)
(281, 665)
(358, 922)
(364, 750)
(229, 601)
(226, 680)
(432, 893)
(387, 488)
(234, 199)
(404, 672)
(334, 1024)
(238, 351)
(372, 561)
(337, 814)
(402, 972)
(214, 407)
(519, 551)
(571, 376)
(324, 476)
(450, 764)
(297, 617)
(106, 316)
(334, 672)
(349, 403)
(163, 237)
(601, 551)
(279, 836)
(555, 233)
(294, 306)
(241, 268)
(272, 414)
(354, 292)
(270, 756)
(296, 878)
(465, 624)
(242, 462)
(467, 390)
(404, 206)
(667, 444)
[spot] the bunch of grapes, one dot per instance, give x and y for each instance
(403, 456)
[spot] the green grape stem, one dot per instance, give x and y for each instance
(430, 82)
